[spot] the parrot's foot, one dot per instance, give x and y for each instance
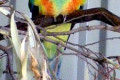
(64, 17)
(55, 20)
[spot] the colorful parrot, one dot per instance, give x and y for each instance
(55, 8)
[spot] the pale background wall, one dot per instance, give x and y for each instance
(113, 47)
(74, 68)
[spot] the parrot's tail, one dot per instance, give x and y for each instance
(56, 66)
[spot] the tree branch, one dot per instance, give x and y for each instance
(8, 53)
(80, 16)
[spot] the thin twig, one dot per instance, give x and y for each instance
(113, 38)
(7, 52)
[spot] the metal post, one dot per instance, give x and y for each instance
(103, 35)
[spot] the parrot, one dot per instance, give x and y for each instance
(55, 8)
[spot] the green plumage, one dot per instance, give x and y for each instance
(51, 48)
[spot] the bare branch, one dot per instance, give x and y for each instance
(7, 52)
